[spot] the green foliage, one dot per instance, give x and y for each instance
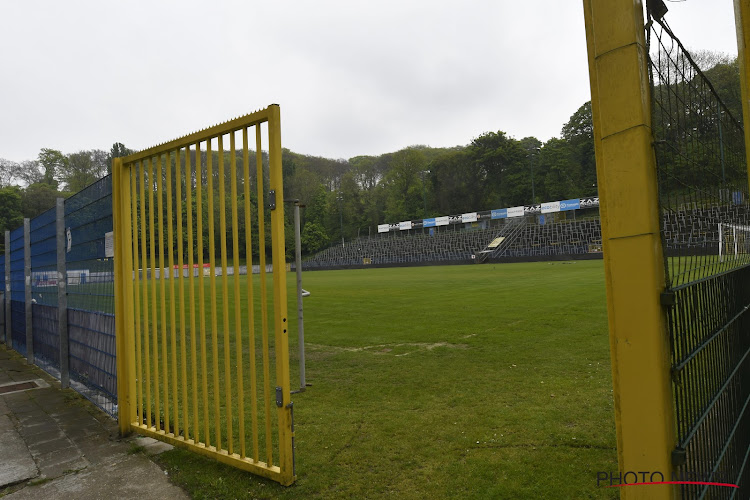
(38, 198)
(11, 215)
(313, 237)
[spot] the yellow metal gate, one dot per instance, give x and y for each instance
(197, 364)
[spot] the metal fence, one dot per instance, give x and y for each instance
(73, 244)
(702, 174)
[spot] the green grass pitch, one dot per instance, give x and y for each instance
(483, 381)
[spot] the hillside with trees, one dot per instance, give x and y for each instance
(346, 198)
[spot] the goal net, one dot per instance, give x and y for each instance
(734, 240)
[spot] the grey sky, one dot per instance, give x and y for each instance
(351, 77)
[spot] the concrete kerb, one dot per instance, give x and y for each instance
(56, 444)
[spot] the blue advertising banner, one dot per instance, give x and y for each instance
(429, 222)
(500, 213)
(570, 204)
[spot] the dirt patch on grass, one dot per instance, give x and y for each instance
(395, 349)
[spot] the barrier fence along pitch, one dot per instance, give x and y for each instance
(172, 321)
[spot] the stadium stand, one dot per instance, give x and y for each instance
(690, 230)
(523, 238)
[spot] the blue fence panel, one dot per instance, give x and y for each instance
(90, 267)
(43, 236)
(17, 293)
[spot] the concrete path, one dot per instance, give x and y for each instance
(54, 444)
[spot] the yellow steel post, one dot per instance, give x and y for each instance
(633, 257)
(212, 280)
(250, 301)
(126, 253)
(263, 296)
(236, 282)
(181, 285)
(201, 288)
(191, 283)
(144, 289)
(124, 402)
(742, 21)
(172, 300)
(162, 290)
(154, 322)
(281, 324)
(136, 294)
(225, 298)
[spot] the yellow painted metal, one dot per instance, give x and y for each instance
(191, 286)
(263, 297)
(181, 289)
(154, 311)
(172, 308)
(633, 258)
(225, 296)
(201, 290)
(236, 281)
(281, 323)
(212, 285)
(146, 328)
(136, 293)
(126, 406)
(742, 22)
(149, 337)
(250, 301)
(162, 290)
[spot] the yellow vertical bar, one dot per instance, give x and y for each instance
(127, 274)
(180, 264)
(236, 281)
(225, 293)
(281, 324)
(162, 290)
(191, 281)
(212, 281)
(263, 296)
(250, 301)
(742, 23)
(633, 257)
(136, 295)
(144, 285)
(154, 321)
(125, 406)
(172, 299)
(201, 288)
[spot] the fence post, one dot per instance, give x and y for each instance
(633, 257)
(62, 294)
(8, 331)
(27, 290)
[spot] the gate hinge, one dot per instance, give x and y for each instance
(279, 397)
(272, 199)
(668, 299)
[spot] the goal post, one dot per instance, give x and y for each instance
(734, 240)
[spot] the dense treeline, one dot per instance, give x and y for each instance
(347, 198)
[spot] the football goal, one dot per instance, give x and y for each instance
(734, 240)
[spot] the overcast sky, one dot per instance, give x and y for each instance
(351, 77)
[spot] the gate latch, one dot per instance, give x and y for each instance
(272, 199)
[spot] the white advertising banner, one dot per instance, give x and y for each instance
(404, 225)
(471, 217)
(383, 228)
(441, 221)
(551, 206)
(515, 211)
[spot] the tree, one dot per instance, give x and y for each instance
(37, 199)
(53, 162)
(313, 238)
(8, 171)
(10, 208)
(84, 168)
